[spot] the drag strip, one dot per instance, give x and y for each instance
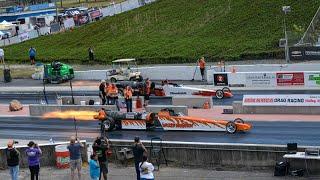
(34, 128)
(37, 97)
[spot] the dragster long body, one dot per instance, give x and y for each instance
(168, 120)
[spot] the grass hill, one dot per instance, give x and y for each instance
(171, 31)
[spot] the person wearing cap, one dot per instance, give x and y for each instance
(75, 156)
(138, 149)
(12, 160)
(102, 92)
(33, 153)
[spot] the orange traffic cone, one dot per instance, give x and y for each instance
(138, 103)
(206, 105)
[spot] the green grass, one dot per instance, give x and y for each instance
(177, 31)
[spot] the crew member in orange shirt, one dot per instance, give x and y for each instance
(147, 92)
(128, 98)
(113, 93)
(202, 65)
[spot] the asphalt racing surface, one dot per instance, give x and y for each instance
(36, 97)
(34, 128)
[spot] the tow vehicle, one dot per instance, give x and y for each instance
(167, 120)
(57, 72)
(124, 70)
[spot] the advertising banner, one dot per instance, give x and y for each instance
(261, 79)
(312, 79)
(24, 36)
(304, 53)
(282, 100)
(290, 78)
(220, 79)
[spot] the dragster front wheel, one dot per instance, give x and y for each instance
(231, 127)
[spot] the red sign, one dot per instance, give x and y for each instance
(290, 78)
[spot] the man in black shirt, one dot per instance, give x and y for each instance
(138, 150)
(100, 147)
(102, 92)
(12, 160)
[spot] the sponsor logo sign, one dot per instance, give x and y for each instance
(304, 53)
(282, 100)
(312, 79)
(260, 79)
(221, 79)
(290, 78)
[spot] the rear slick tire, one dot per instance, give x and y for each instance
(219, 94)
(231, 127)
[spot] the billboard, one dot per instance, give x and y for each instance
(290, 78)
(267, 79)
(312, 79)
(220, 79)
(282, 100)
(304, 53)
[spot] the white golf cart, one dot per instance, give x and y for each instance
(124, 70)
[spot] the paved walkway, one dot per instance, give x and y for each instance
(118, 172)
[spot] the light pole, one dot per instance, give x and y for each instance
(286, 10)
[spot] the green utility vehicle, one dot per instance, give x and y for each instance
(57, 72)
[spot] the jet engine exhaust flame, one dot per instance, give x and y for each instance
(78, 115)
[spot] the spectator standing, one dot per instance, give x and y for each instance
(202, 66)
(32, 55)
(138, 150)
(75, 157)
(33, 153)
(100, 147)
(94, 167)
(102, 92)
(91, 55)
(146, 169)
(128, 98)
(1, 56)
(12, 160)
(147, 92)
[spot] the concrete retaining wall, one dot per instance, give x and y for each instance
(191, 101)
(66, 100)
(39, 110)
(238, 108)
(186, 72)
(225, 156)
(48, 157)
(157, 108)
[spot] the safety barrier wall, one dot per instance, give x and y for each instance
(39, 110)
(48, 157)
(239, 108)
(268, 79)
(224, 156)
(186, 72)
(154, 73)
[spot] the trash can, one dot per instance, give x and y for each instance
(62, 156)
(6, 75)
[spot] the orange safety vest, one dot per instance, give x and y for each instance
(113, 91)
(101, 116)
(202, 64)
(128, 94)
